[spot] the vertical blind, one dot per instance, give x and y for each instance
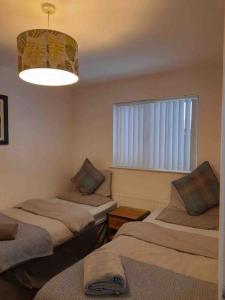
(159, 135)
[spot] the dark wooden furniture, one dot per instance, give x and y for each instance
(124, 214)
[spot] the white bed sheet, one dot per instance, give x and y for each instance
(57, 230)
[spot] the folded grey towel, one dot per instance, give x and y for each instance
(104, 274)
(8, 231)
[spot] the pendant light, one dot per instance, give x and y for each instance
(47, 57)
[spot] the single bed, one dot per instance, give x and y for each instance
(57, 230)
(154, 268)
(25, 279)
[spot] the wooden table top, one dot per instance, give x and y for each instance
(130, 213)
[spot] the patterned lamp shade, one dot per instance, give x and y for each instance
(47, 57)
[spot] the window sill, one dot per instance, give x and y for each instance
(150, 170)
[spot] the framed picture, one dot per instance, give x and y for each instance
(4, 131)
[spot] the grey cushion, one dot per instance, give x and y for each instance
(88, 178)
(199, 190)
(175, 213)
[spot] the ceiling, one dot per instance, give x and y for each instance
(121, 38)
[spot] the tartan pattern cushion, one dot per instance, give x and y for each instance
(199, 190)
(88, 178)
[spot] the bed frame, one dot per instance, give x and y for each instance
(14, 284)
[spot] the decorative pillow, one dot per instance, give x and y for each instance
(8, 231)
(88, 178)
(198, 190)
(207, 220)
(105, 188)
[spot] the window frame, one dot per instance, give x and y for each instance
(195, 127)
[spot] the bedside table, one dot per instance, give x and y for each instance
(124, 214)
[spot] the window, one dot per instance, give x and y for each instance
(158, 135)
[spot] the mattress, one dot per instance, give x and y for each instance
(56, 229)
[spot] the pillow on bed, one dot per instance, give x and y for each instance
(175, 213)
(199, 190)
(88, 178)
(77, 197)
(8, 231)
(175, 200)
(105, 188)
(207, 220)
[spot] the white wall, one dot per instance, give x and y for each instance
(52, 130)
(37, 161)
(93, 127)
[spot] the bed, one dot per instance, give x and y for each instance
(57, 230)
(23, 281)
(154, 268)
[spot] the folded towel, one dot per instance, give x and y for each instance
(8, 231)
(104, 274)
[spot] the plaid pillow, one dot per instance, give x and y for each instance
(199, 190)
(88, 178)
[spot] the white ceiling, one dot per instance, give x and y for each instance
(120, 38)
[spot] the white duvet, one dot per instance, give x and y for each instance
(195, 266)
